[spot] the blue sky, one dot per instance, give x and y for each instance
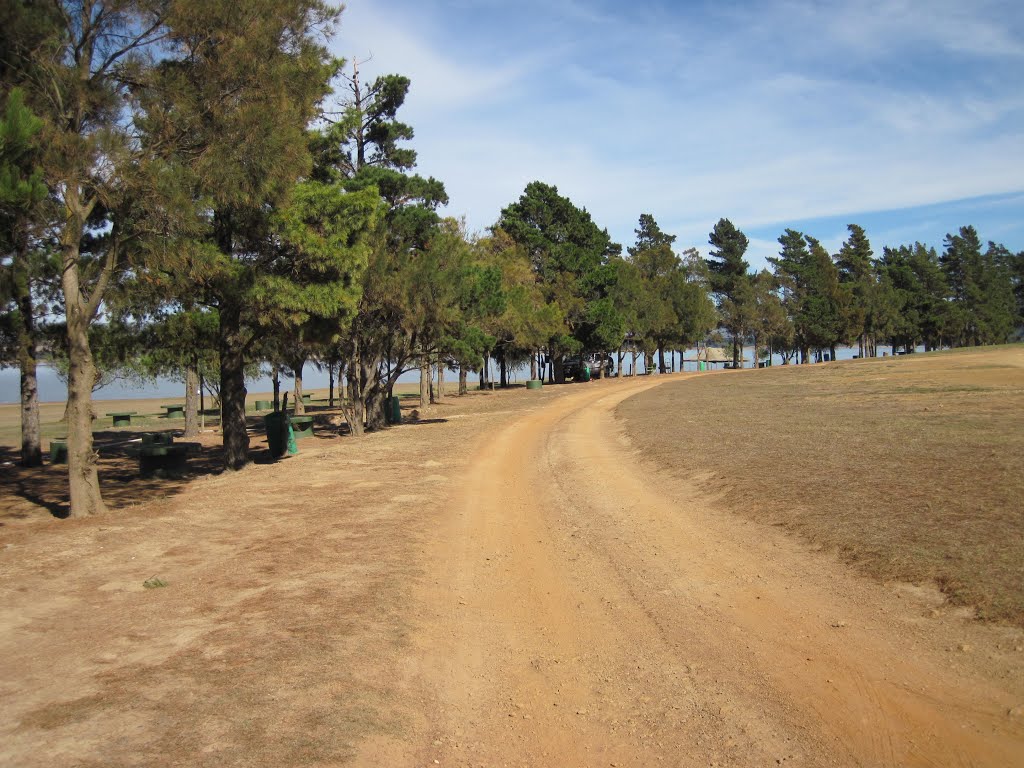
(904, 116)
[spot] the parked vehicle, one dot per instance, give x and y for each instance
(586, 367)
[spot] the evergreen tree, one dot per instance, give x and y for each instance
(92, 57)
(857, 277)
(660, 269)
(730, 282)
(257, 237)
(981, 288)
(22, 260)
(569, 256)
(399, 318)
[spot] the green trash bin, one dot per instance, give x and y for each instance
(280, 436)
(59, 451)
(585, 373)
(394, 410)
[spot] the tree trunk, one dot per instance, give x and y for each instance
(632, 367)
(354, 412)
(463, 380)
(277, 388)
(661, 358)
(559, 369)
(83, 478)
(440, 380)
(84, 482)
(31, 443)
(533, 367)
(191, 401)
(232, 389)
(502, 371)
(297, 364)
(424, 382)
(330, 383)
(620, 356)
(374, 395)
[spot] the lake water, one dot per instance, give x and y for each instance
(53, 389)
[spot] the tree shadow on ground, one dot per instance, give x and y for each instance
(28, 493)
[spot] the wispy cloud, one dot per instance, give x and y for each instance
(761, 112)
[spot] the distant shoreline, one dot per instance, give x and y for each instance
(53, 390)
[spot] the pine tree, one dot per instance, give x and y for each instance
(730, 282)
(22, 194)
(569, 255)
(261, 243)
(856, 275)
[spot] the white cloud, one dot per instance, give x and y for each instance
(758, 113)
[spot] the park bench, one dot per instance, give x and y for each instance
(122, 418)
(160, 456)
(174, 411)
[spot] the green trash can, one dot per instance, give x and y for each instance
(280, 436)
(394, 410)
(585, 373)
(59, 451)
(534, 384)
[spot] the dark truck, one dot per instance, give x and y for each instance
(585, 367)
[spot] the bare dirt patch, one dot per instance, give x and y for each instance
(909, 467)
(503, 582)
(275, 640)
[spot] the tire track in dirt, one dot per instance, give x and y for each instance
(585, 610)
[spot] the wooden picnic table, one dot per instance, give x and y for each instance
(302, 426)
(122, 418)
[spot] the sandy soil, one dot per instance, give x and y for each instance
(502, 583)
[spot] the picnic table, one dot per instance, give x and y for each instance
(302, 426)
(59, 450)
(122, 418)
(160, 456)
(174, 411)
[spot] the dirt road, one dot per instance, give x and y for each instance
(502, 583)
(591, 612)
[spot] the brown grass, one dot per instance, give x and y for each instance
(909, 467)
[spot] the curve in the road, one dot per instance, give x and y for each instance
(587, 611)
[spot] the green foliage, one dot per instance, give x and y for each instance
(569, 256)
(980, 284)
(810, 291)
(21, 179)
(729, 281)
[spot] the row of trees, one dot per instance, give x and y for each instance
(909, 296)
(197, 189)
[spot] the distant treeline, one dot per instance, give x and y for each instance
(199, 190)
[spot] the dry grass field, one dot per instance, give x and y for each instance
(912, 468)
